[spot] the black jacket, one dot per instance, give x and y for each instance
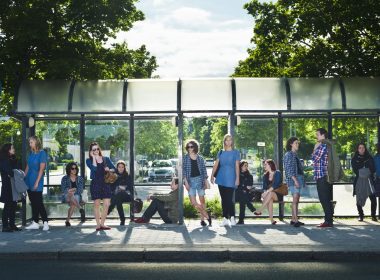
(358, 162)
(123, 180)
(6, 168)
(246, 179)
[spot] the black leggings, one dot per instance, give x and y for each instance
(9, 214)
(38, 207)
(228, 206)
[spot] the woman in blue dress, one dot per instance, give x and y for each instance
(99, 165)
(228, 162)
(34, 179)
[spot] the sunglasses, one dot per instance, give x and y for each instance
(189, 147)
(74, 168)
(96, 149)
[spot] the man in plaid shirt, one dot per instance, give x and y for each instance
(324, 188)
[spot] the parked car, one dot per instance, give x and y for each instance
(161, 170)
(209, 162)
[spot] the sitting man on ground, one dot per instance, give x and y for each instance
(165, 204)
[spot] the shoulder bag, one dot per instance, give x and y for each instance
(282, 189)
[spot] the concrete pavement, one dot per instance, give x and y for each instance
(258, 240)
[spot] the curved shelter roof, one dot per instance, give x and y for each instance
(198, 95)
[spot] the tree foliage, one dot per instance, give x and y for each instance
(66, 39)
(321, 38)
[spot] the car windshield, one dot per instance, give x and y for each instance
(161, 164)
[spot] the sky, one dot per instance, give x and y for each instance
(193, 38)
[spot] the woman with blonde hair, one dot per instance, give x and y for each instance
(227, 178)
(34, 179)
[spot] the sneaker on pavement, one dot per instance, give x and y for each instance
(33, 225)
(233, 222)
(226, 223)
(46, 226)
(325, 225)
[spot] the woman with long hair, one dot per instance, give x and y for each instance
(122, 190)
(72, 186)
(99, 165)
(195, 175)
(271, 181)
(294, 176)
(227, 178)
(34, 179)
(8, 162)
(363, 166)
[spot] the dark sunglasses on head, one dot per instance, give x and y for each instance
(189, 147)
(96, 149)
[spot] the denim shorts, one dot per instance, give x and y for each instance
(196, 186)
(76, 196)
(292, 186)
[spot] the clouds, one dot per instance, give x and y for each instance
(192, 41)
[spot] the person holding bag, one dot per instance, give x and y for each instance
(121, 189)
(271, 181)
(363, 166)
(294, 176)
(99, 190)
(242, 192)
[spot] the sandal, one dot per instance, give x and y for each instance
(257, 213)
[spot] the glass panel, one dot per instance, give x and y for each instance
(362, 93)
(346, 203)
(98, 96)
(260, 94)
(152, 95)
(43, 96)
(257, 141)
(112, 137)
(349, 132)
(206, 95)
(315, 94)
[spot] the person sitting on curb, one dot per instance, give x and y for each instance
(165, 204)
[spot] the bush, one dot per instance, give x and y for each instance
(188, 210)
(53, 166)
(214, 205)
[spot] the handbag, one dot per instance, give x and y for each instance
(110, 177)
(282, 189)
(207, 185)
(85, 196)
(137, 205)
(217, 168)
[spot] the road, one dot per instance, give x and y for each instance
(98, 270)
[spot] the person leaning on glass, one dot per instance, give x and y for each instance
(34, 179)
(98, 188)
(376, 159)
(72, 186)
(294, 176)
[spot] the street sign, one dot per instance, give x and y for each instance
(261, 144)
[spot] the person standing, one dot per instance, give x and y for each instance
(242, 192)
(34, 179)
(195, 176)
(294, 176)
(227, 178)
(122, 190)
(99, 165)
(376, 160)
(324, 188)
(363, 166)
(8, 162)
(72, 186)
(272, 180)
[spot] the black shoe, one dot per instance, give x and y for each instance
(7, 229)
(240, 222)
(82, 215)
(374, 219)
(203, 223)
(360, 219)
(297, 224)
(292, 223)
(301, 223)
(122, 222)
(67, 224)
(209, 220)
(15, 228)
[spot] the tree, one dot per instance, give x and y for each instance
(321, 38)
(66, 39)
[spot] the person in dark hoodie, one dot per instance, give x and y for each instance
(363, 166)
(242, 192)
(8, 162)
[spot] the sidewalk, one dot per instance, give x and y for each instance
(256, 241)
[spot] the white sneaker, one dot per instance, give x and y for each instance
(33, 225)
(233, 222)
(226, 223)
(46, 226)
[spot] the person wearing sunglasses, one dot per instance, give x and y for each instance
(99, 165)
(195, 176)
(72, 186)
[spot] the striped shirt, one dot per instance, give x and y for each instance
(319, 158)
